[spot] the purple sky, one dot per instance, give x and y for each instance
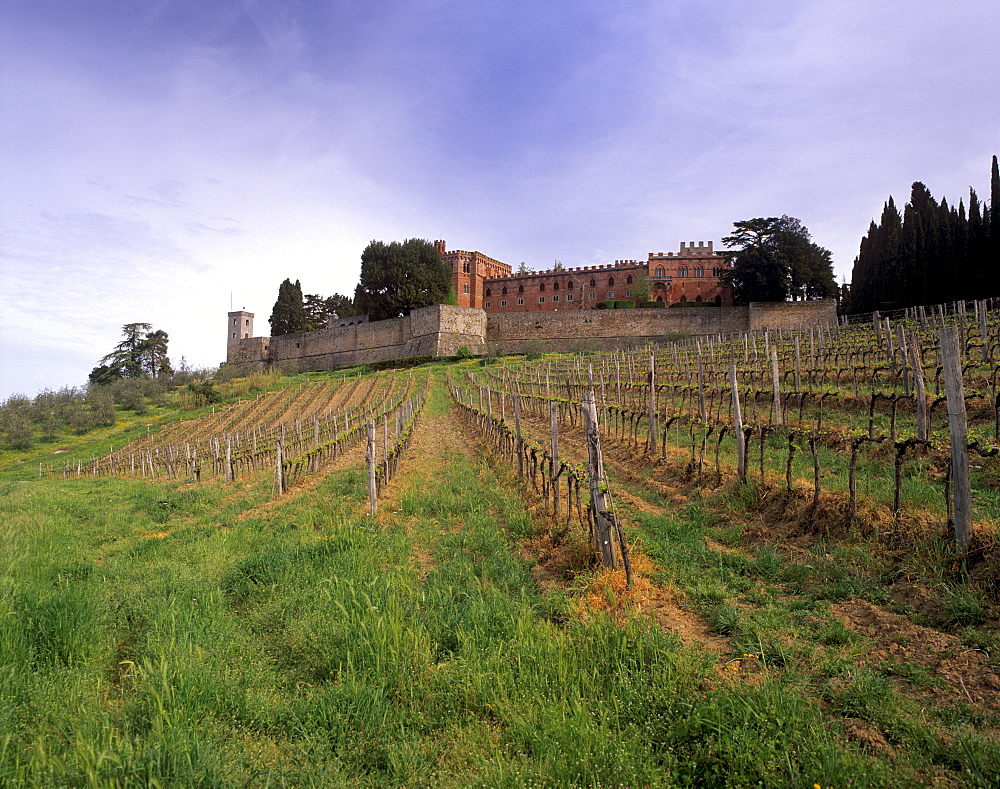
(157, 156)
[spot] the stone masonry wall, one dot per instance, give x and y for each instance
(441, 330)
(431, 331)
(792, 314)
(598, 329)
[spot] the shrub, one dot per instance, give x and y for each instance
(204, 392)
(15, 422)
(624, 304)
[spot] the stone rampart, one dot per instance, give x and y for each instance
(791, 314)
(441, 330)
(598, 329)
(431, 331)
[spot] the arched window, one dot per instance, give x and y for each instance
(593, 282)
(489, 292)
(660, 272)
(698, 297)
(628, 280)
(541, 287)
(569, 284)
(520, 288)
(555, 286)
(503, 291)
(682, 272)
(611, 282)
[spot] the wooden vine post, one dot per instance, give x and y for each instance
(702, 414)
(517, 434)
(741, 457)
(370, 457)
(279, 473)
(962, 490)
(651, 445)
(554, 453)
(919, 391)
(229, 458)
(775, 386)
(598, 482)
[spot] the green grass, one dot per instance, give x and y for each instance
(177, 635)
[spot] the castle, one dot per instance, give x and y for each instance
(691, 275)
(501, 311)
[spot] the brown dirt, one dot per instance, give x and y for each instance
(607, 590)
(895, 639)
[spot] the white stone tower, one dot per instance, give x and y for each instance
(239, 327)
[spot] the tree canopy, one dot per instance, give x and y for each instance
(932, 252)
(401, 276)
(142, 353)
(775, 258)
(319, 309)
(289, 313)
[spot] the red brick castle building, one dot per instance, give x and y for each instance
(691, 275)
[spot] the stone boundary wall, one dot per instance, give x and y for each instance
(792, 314)
(441, 330)
(431, 331)
(585, 330)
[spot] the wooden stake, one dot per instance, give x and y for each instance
(957, 425)
(554, 453)
(651, 443)
(919, 392)
(775, 386)
(517, 435)
(741, 459)
(598, 482)
(279, 474)
(370, 457)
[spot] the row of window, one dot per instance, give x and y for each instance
(591, 296)
(555, 299)
(685, 272)
(660, 273)
(556, 285)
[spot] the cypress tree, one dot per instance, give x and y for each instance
(995, 200)
(978, 263)
(910, 257)
(995, 225)
(934, 252)
(888, 253)
(289, 313)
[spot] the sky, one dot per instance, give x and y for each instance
(165, 161)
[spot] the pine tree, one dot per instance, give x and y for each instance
(399, 277)
(141, 353)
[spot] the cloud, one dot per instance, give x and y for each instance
(160, 155)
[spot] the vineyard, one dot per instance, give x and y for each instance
(834, 406)
(765, 559)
